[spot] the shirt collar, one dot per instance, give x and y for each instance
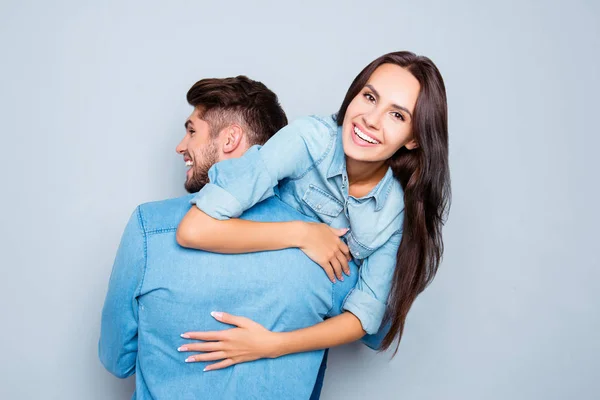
(383, 189)
(338, 162)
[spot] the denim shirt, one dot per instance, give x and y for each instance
(159, 290)
(305, 164)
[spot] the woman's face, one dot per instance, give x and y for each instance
(378, 120)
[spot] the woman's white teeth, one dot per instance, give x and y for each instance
(189, 163)
(364, 137)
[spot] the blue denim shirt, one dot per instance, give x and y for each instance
(305, 163)
(159, 290)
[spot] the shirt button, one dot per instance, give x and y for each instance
(318, 206)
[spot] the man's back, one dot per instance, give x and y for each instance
(171, 290)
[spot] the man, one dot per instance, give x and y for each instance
(158, 290)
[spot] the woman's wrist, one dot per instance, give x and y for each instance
(278, 345)
(298, 233)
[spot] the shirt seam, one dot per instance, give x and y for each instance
(161, 230)
(385, 195)
(138, 290)
(313, 219)
(364, 246)
(326, 194)
(332, 300)
(367, 248)
(325, 153)
(346, 297)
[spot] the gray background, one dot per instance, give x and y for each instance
(92, 103)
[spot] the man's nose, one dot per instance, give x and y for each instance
(180, 149)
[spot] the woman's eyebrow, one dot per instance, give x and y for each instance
(396, 106)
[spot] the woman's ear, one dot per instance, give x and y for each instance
(412, 145)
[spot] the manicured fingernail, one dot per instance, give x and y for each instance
(189, 359)
(185, 336)
(342, 278)
(182, 348)
(216, 314)
(206, 369)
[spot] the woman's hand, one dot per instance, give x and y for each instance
(248, 342)
(322, 244)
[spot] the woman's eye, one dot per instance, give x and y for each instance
(369, 97)
(192, 132)
(399, 116)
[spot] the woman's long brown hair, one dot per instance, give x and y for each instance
(424, 175)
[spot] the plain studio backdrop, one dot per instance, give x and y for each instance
(92, 103)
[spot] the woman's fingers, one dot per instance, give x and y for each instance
(345, 250)
(343, 262)
(213, 356)
(337, 267)
(220, 365)
(210, 335)
(342, 246)
(328, 270)
(339, 231)
(201, 347)
(231, 319)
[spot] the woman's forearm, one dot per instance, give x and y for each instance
(200, 231)
(342, 329)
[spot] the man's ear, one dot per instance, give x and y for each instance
(232, 137)
(412, 145)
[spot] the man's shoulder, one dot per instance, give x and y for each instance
(322, 125)
(164, 214)
(326, 121)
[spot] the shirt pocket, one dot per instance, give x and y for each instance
(323, 204)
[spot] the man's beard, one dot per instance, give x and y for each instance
(202, 163)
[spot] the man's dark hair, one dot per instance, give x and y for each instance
(238, 100)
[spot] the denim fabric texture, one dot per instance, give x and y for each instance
(305, 165)
(159, 290)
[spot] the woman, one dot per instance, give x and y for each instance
(375, 174)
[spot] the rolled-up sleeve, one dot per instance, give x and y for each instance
(368, 300)
(374, 341)
(239, 183)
